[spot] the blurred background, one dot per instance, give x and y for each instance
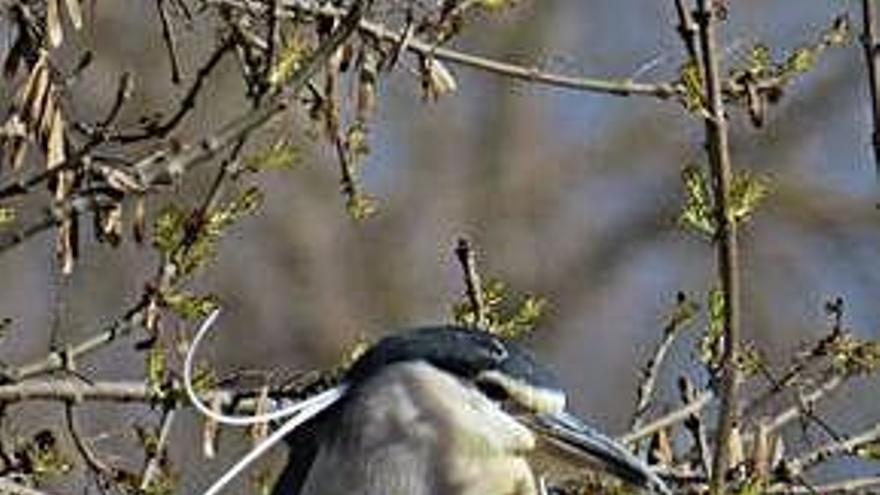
(570, 196)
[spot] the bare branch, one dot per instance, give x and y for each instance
(94, 463)
(652, 368)
(13, 487)
(473, 285)
(849, 447)
(872, 60)
(170, 41)
(726, 238)
(807, 402)
(56, 360)
(855, 485)
(694, 424)
(524, 73)
(677, 416)
(152, 468)
(688, 31)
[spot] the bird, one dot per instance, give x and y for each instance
(447, 410)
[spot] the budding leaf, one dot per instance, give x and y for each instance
(697, 213)
(747, 192)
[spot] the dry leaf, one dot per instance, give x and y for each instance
(53, 24)
(761, 451)
(440, 80)
(209, 431)
(110, 224)
(55, 154)
(737, 454)
(75, 13)
(139, 225)
(260, 430)
(660, 451)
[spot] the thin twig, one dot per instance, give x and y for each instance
(531, 74)
(473, 285)
(694, 425)
(78, 391)
(726, 239)
(94, 463)
(807, 402)
(836, 448)
(872, 60)
(652, 368)
(13, 487)
(170, 41)
(162, 166)
(272, 39)
(153, 466)
(677, 416)
(121, 327)
(855, 485)
(187, 103)
(688, 31)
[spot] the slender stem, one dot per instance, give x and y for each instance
(677, 416)
(473, 285)
(13, 487)
(153, 466)
(836, 448)
(872, 59)
(726, 239)
(531, 74)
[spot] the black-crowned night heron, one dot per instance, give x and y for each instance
(445, 411)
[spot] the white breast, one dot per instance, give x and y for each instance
(415, 430)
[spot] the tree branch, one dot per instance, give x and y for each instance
(473, 285)
(677, 416)
(726, 239)
(531, 74)
(12, 487)
(872, 60)
(855, 485)
(848, 447)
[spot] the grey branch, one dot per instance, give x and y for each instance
(726, 239)
(855, 485)
(649, 376)
(531, 74)
(872, 60)
(473, 285)
(76, 390)
(12, 487)
(677, 416)
(849, 447)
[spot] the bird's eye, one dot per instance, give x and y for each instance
(493, 390)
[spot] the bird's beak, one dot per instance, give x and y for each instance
(576, 440)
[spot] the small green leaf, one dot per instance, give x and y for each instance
(747, 192)
(711, 344)
(361, 206)
(190, 307)
(168, 229)
(508, 315)
(684, 312)
(760, 61)
(7, 214)
(157, 366)
(697, 213)
(288, 62)
(870, 451)
(799, 62)
(280, 156)
(692, 81)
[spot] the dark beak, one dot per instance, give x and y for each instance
(580, 442)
